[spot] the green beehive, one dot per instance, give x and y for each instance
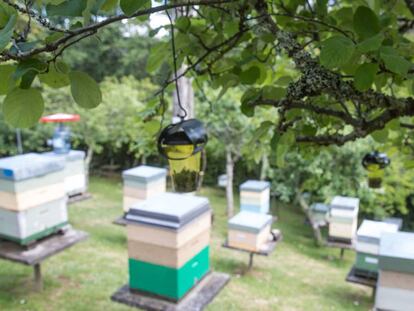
(165, 281)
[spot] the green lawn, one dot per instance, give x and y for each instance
(297, 276)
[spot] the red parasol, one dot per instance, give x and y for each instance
(60, 117)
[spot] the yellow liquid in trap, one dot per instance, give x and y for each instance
(185, 173)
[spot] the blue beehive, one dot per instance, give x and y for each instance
(255, 196)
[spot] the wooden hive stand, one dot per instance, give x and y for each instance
(39, 251)
(266, 251)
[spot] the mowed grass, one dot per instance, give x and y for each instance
(297, 276)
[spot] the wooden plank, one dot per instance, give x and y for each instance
(196, 300)
(79, 197)
(42, 249)
(366, 281)
(340, 244)
(270, 247)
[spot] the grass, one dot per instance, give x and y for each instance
(297, 276)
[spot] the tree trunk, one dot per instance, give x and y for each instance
(185, 88)
(229, 186)
(88, 160)
(265, 165)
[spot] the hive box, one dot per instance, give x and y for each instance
(74, 172)
(367, 245)
(32, 197)
(168, 244)
(142, 182)
(395, 290)
(249, 231)
(319, 212)
(34, 223)
(30, 180)
(343, 219)
(255, 196)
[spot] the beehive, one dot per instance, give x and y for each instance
(367, 246)
(75, 176)
(255, 196)
(168, 244)
(395, 287)
(32, 197)
(249, 231)
(142, 182)
(343, 218)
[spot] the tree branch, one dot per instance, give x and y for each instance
(93, 28)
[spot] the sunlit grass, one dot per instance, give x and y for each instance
(297, 276)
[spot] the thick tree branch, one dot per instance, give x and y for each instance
(93, 28)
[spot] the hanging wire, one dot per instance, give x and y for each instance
(175, 66)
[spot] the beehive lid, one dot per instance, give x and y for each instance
(345, 203)
(394, 220)
(249, 221)
(144, 173)
(73, 155)
(320, 207)
(171, 210)
(29, 165)
(370, 231)
(255, 185)
(398, 245)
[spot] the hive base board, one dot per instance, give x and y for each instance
(196, 300)
(352, 277)
(121, 221)
(79, 197)
(42, 249)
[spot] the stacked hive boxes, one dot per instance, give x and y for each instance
(343, 220)
(395, 287)
(367, 246)
(142, 182)
(32, 197)
(255, 196)
(249, 231)
(168, 244)
(75, 174)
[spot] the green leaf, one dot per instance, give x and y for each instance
(250, 76)
(85, 90)
(54, 78)
(394, 62)
(157, 56)
(152, 127)
(109, 5)
(262, 130)
(6, 80)
(380, 136)
(336, 51)
(31, 64)
(67, 8)
(249, 96)
(364, 76)
(27, 79)
(7, 32)
(183, 23)
(366, 22)
(287, 138)
(6, 11)
(371, 44)
(23, 108)
(129, 7)
(273, 92)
